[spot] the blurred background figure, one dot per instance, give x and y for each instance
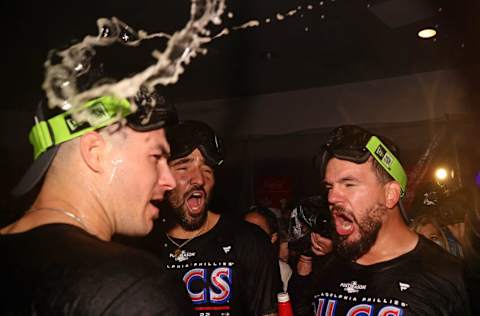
(429, 227)
(268, 222)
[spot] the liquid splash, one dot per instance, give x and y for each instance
(65, 67)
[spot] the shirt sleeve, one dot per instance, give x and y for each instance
(262, 274)
(299, 288)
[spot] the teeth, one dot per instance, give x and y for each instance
(346, 225)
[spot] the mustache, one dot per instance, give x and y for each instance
(342, 211)
(195, 188)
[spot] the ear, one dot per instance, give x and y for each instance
(92, 146)
(274, 238)
(392, 193)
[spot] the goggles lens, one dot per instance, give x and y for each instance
(188, 135)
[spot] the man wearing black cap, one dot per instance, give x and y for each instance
(228, 267)
(378, 266)
(100, 176)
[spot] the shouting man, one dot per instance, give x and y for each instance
(100, 177)
(229, 267)
(378, 265)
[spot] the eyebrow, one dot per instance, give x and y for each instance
(342, 180)
(181, 161)
(164, 151)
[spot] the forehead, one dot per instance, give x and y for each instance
(338, 170)
(195, 155)
(155, 138)
(257, 219)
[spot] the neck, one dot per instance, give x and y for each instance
(51, 206)
(394, 239)
(181, 233)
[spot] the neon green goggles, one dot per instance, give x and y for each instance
(99, 112)
(388, 161)
(355, 144)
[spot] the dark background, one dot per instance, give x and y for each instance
(327, 45)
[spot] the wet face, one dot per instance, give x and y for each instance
(357, 203)
(137, 176)
(195, 181)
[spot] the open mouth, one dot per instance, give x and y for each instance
(156, 204)
(195, 201)
(343, 223)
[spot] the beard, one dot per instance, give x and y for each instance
(180, 210)
(368, 228)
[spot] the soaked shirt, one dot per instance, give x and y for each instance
(59, 269)
(230, 270)
(426, 281)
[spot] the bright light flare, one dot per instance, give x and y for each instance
(427, 33)
(441, 174)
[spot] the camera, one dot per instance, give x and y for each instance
(312, 214)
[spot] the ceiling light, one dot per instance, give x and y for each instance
(441, 174)
(427, 33)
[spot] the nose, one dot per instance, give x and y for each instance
(197, 177)
(335, 195)
(165, 178)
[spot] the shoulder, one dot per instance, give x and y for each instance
(242, 229)
(78, 273)
(432, 261)
(433, 257)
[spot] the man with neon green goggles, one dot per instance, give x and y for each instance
(378, 265)
(105, 169)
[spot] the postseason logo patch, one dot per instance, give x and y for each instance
(382, 153)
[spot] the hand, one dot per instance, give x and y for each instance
(304, 265)
(320, 245)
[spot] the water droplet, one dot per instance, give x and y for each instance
(462, 45)
(301, 16)
(310, 7)
(267, 20)
(368, 5)
(322, 16)
(127, 35)
(230, 15)
(321, 3)
(440, 9)
(299, 7)
(306, 29)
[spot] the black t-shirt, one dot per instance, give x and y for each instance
(472, 258)
(59, 269)
(426, 281)
(230, 270)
